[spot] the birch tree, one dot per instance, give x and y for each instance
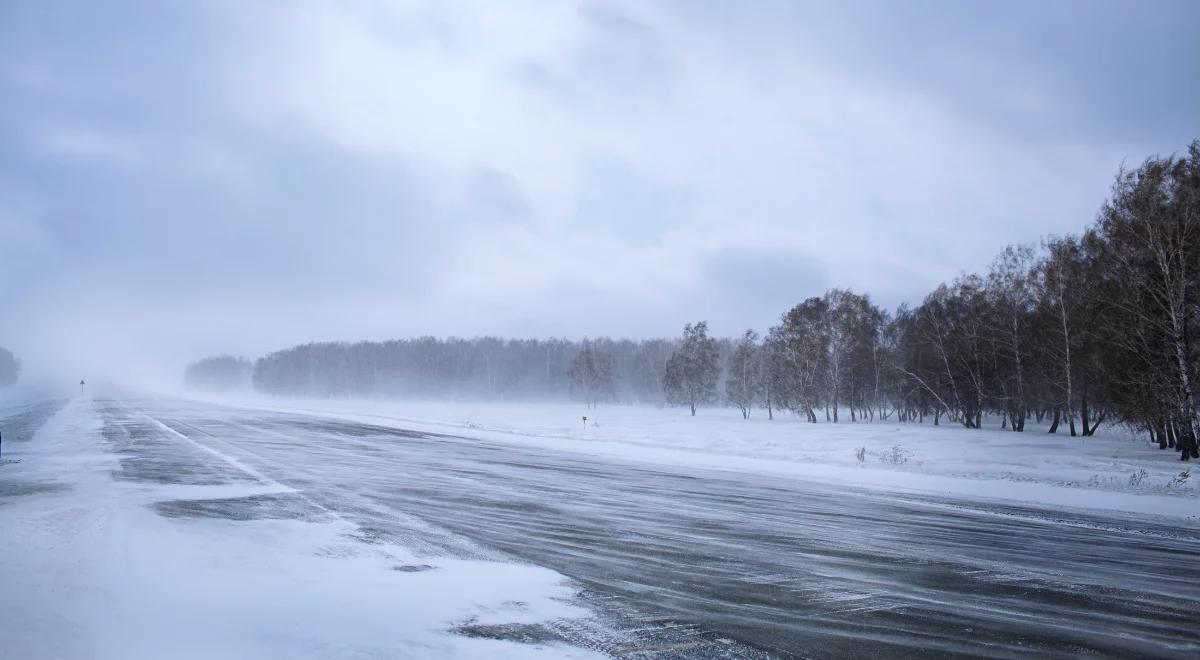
(692, 371)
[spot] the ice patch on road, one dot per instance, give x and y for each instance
(220, 492)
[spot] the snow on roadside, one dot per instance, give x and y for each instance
(88, 568)
(1110, 471)
(13, 399)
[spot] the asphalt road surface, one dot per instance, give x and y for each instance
(705, 563)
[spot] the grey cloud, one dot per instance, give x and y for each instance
(491, 194)
(751, 287)
(624, 51)
(617, 198)
(620, 62)
(1075, 69)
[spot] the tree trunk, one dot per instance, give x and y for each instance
(1054, 424)
(1083, 411)
(1067, 360)
(1187, 401)
(1187, 442)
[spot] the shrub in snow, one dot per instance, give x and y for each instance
(861, 454)
(1138, 478)
(897, 455)
(1180, 480)
(1106, 482)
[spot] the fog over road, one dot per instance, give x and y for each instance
(710, 562)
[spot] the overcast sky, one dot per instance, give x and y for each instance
(186, 178)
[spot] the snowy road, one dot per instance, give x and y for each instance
(708, 563)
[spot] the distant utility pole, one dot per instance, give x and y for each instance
(81, 384)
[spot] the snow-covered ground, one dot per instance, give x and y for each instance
(95, 566)
(143, 526)
(1109, 471)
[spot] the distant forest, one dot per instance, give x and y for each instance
(481, 368)
(219, 374)
(10, 368)
(1083, 329)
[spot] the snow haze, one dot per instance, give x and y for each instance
(184, 179)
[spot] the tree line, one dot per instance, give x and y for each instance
(1084, 329)
(1080, 330)
(221, 373)
(493, 368)
(10, 368)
